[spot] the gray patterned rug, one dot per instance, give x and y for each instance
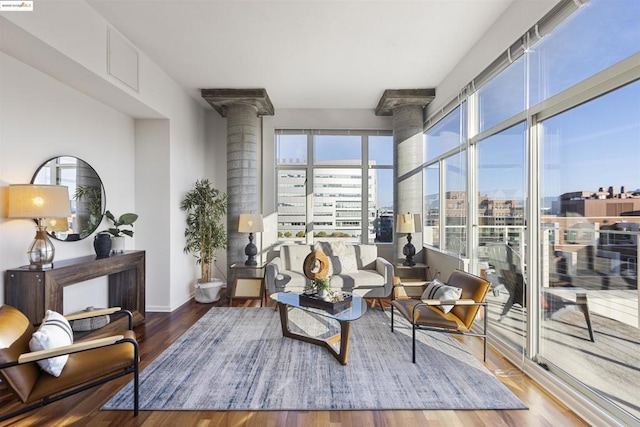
(237, 359)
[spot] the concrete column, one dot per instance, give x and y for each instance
(241, 107)
(407, 107)
(242, 180)
(408, 156)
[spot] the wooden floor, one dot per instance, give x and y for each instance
(161, 329)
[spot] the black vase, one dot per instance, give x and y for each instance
(102, 245)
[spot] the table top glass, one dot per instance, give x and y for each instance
(357, 309)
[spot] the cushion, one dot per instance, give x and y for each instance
(293, 256)
(367, 255)
(348, 260)
(438, 290)
(342, 257)
(54, 331)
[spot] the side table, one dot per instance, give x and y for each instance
(413, 278)
(248, 282)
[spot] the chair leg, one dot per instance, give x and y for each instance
(413, 342)
(391, 317)
(581, 301)
(381, 305)
(136, 382)
(486, 316)
(507, 305)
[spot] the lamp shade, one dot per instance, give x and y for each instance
(38, 201)
(405, 223)
(250, 223)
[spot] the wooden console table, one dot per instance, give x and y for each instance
(35, 291)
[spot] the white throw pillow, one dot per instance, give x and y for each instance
(54, 331)
(438, 290)
(348, 260)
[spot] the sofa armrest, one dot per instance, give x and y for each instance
(272, 270)
(385, 269)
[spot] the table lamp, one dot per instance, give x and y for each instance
(405, 224)
(250, 223)
(39, 202)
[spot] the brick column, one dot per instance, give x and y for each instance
(407, 109)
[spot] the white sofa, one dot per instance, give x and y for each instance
(370, 276)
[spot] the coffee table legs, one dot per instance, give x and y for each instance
(342, 337)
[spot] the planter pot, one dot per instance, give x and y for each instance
(208, 292)
(117, 244)
(102, 245)
(323, 293)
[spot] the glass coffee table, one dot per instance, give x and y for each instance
(288, 300)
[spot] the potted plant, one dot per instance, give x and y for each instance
(322, 285)
(117, 233)
(91, 195)
(205, 233)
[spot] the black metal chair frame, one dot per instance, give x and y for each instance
(415, 326)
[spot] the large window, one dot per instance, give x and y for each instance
(500, 225)
(455, 236)
(380, 222)
(600, 34)
(503, 96)
(431, 185)
(292, 204)
(445, 135)
(549, 210)
(591, 199)
(337, 194)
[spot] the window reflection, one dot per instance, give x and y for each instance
(590, 232)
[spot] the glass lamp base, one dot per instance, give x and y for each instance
(41, 250)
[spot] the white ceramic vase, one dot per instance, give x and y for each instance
(117, 244)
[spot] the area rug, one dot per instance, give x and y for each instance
(237, 359)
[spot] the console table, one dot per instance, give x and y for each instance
(35, 291)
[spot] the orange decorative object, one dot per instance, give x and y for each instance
(316, 264)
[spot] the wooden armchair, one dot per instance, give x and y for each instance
(90, 363)
(425, 314)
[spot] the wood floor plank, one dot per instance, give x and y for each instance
(162, 329)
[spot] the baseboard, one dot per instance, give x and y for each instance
(158, 309)
(171, 308)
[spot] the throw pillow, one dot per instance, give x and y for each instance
(438, 290)
(54, 331)
(348, 260)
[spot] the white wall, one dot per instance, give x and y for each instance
(152, 148)
(42, 118)
(216, 170)
(149, 163)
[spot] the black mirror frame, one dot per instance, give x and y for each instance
(92, 223)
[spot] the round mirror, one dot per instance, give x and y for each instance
(85, 191)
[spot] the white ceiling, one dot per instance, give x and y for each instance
(305, 53)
